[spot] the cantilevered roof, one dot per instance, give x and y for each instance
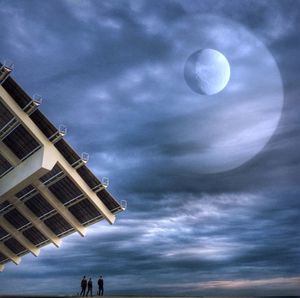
(46, 189)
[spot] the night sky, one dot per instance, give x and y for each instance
(111, 72)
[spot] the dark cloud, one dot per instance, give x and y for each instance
(106, 71)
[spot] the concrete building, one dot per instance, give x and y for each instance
(46, 189)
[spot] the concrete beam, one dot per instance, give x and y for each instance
(86, 190)
(19, 236)
(60, 208)
(35, 166)
(9, 254)
(21, 207)
(53, 201)
(8, 155)
(36, 222)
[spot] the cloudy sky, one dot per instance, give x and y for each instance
(211, 182)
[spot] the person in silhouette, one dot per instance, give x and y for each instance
(100, 286)
(90, 287)
(83, 285)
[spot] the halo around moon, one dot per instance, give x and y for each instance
(229, 128)
(207, 71)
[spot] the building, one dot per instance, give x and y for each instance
(46, 189)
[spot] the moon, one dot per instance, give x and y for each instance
(207, 71)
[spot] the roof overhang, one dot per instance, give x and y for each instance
(46, 190)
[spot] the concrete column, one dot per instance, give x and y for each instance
(9, 254)
(35, 166)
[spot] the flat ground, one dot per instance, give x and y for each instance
(70, 296)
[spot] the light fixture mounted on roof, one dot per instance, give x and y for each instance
(5, 70)
(104, 184)
(105, 181)
(33, 105)
(85, 157)
(82, 161)
(62, 131)
(123, 204)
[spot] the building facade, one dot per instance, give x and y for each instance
(46, 189)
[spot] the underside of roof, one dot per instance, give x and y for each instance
(46, 189)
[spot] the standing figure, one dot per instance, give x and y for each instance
(83, 285)
(100, 285)
(90, 287)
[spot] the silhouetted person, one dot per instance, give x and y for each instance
(83, 285)
(90, 287)
(100, 286)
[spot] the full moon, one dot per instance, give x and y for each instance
(207, 71)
